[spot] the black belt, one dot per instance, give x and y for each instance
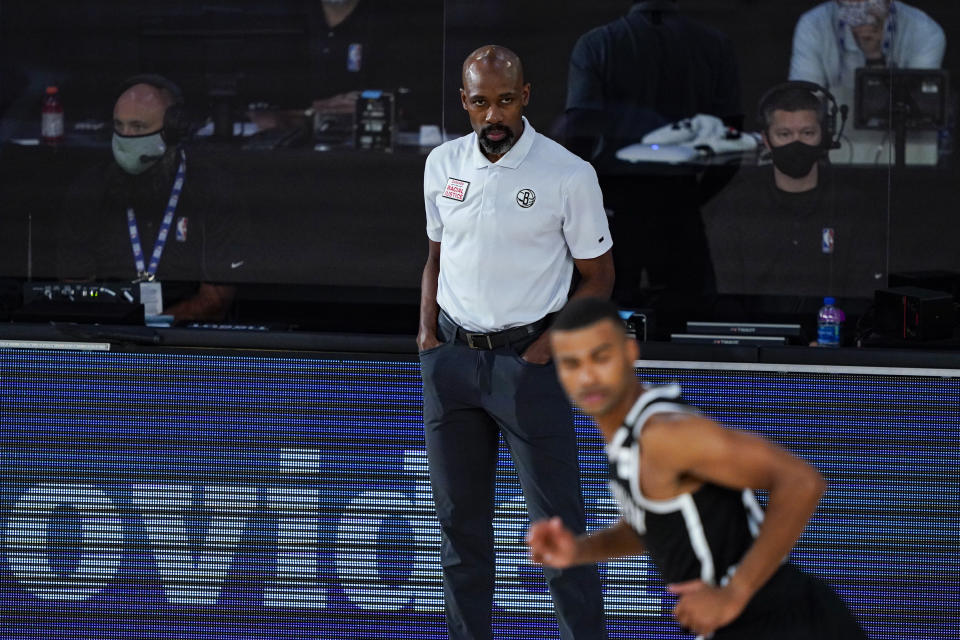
(497, 339)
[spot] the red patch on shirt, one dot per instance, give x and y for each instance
(456, 189)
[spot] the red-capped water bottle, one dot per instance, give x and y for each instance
(829, 324)
(51, 117)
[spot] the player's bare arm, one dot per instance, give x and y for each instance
(553, 545)
(683, 452)
(210, 302)
(597, 277)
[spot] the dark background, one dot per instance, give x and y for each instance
(350, 223)
(543, 33)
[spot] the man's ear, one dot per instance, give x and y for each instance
(463, 98)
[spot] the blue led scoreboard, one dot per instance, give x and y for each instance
(241, 494)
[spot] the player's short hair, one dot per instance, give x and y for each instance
(583, 312)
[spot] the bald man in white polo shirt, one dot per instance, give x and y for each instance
(510, 215)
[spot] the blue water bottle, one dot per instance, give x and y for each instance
(829, 322)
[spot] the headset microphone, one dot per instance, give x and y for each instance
(844, 114)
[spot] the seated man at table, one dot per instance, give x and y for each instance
(354, 46)
(153, 213)
(796, 228)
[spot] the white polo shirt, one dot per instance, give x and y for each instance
(510, 230)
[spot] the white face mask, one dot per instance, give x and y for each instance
(136, 154)
(857, 14)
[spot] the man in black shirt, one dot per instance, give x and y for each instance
(646, 69)
(186, 229)
(795, 229)
(356, 46)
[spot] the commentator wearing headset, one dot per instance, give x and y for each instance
(155, 213)
(794, 228)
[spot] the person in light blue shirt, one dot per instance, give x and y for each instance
(835, 38)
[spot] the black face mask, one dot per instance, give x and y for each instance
(797, 158)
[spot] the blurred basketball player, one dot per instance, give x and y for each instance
(685, 489)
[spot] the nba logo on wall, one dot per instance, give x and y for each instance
(827, 240)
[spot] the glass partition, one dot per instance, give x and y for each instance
(304, 126)
(678, 107)
(921, 127)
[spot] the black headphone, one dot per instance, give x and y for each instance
(828, 112)
(175, 125)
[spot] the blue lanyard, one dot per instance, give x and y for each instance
(145, 272)
(887, 37)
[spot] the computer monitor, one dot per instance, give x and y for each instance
(916, 99)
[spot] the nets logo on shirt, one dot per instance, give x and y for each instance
(456, 189)
(526, 198)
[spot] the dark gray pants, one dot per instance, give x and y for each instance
(470, 397)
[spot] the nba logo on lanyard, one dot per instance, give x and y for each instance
(827, 240)
(354, 57)
(182, 229)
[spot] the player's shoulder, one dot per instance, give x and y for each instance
(658, 431)
(655, 398)
(671, 424)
